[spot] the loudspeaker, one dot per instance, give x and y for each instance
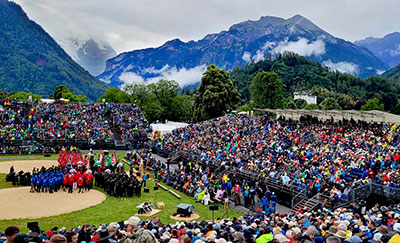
(213, 208)
(155, 188)
(146, 190)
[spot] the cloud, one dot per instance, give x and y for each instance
(379, 72)
(246, 56)
(395, 52)
(184, 76)
(344, 67)
(260, 53)
(302, 46)
(130, 77)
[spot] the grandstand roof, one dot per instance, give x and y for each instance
(367, 116)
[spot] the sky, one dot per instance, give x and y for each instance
(132, 24)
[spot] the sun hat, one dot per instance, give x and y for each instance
(135, 221)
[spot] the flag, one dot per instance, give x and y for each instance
(100, 158)
(114, 160)
(87, 160)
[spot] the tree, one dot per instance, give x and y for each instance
(291, 105)
(300, 103)
(311, 107)
(330, 104)
(2, 94)
(58, 92)
(20, 95)
(63, 92)
(114, 95)
(166, 91)
(372, 104)
(267, 91)
(161, 101)
(217, 95)
(139, 93)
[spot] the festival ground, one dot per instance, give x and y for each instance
(25, 165)
(110, 210)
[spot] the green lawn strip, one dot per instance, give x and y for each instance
(4, 158)
(3, 183)
(117, 209)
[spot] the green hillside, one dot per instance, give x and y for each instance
(301, 74)
(393, 74)
(31, 61)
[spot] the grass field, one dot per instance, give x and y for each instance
(3, 183)
(115, 210)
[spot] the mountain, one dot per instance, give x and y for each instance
(387, 48)
(248, 41)
(31, 61)
(90, 54)
(393, 74)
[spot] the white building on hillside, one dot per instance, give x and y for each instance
(310, 99)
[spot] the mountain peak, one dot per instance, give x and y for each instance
(302, 21)
(386, 48)
(394, 35)
(244, 42)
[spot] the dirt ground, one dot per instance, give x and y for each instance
(18, 203)
(25, 165)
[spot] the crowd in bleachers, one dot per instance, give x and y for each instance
(343, 225)
(62, 121)
(327, 157)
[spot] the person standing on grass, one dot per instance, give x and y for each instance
(10, 233)
(144, 178)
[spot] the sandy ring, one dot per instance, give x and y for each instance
(18, 203)
(25, 165)
(191, 218)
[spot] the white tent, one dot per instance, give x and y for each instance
(160, 129)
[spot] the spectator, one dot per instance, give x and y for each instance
(11, 232)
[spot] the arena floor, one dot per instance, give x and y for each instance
(18, 203)
(25, 165)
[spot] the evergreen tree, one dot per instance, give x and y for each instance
(216, 95)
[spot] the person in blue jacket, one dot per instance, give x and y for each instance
(51, 184)
(39, 182)
(45, 184)
(33, 184)
(264, 202)
(274, 200)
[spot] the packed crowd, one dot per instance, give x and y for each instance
(68, 121)
(327, 157)
(343, 225)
